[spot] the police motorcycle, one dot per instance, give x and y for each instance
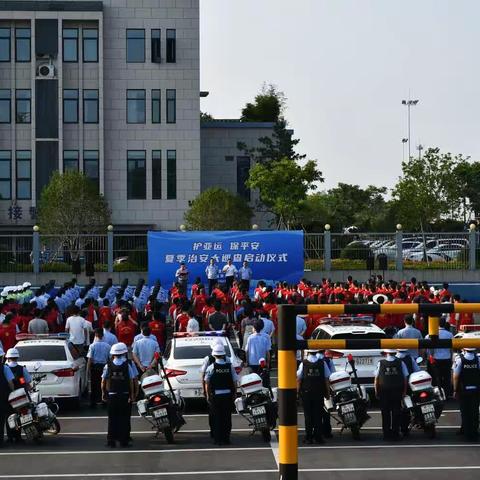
(347, 404)
(425, 403)
(161, 408)
(34, 416)
(257, 404)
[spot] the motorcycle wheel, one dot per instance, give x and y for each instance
(54, 428)
(430, 431)
(168, 435)
(266, 435)
(355, 432)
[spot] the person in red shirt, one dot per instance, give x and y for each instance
(50, 315)
(157, 327)
(208, 309)
(8, 332)
(126, 329)
(182, 319)
(199, 301)
(104, 313)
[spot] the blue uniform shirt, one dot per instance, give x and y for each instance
(145, 349)
(99, 351)
(313, 358)
(26, 375)
(8, 374)
(109, 337)
(442, 353)
(132, 369)
(415, 367)
(140, 336)
(301, 325)
(268, 326)
(410, 332)
(457, 366)
(258, 346)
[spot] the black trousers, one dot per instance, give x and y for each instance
(391, 407)
(96, 383)
(3, 419)
(313, 411)
(119, 412)
(229, 281)
(211, 285)
(469, 404)
(221, 415)
(442, 375)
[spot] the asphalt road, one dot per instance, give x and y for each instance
(79, 452)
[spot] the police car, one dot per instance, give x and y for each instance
(470, 331)
(342, 328)
(50, 355)
(185, 354)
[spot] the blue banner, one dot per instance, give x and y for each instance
(272, 256)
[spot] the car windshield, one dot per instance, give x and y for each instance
(29, 353)
(191, 352)
(368, 335)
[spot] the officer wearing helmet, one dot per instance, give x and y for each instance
(118, 390)
(6, 386)
(466, 384)
(312, 385)
(220, 380)
(391, 376)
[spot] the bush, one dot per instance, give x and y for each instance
(56, 267)
(138, 257)
(356, 251)
(128, 267)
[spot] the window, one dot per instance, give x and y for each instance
(136, 175)
(156, 106)
(243, 172)
(70, 44)
(23, 106)
(171, 45)
(70, 160)
(171, 174)
(46, 353)
(5, 105)
(22, 44)
(90, 45)
(4, 44)
(90, 106)
(229, 158)
(156, 46)
(5, 175)
(156, 174)
(70, 106)
(24, 174)
(171, 106)
(90, 165)
(136, 106)
(135, 45)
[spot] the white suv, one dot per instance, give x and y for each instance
(341, 328)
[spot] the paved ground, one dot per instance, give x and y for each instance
(79, 452)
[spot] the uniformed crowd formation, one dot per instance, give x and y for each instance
(122, 330)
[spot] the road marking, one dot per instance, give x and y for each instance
(274, 446)
(391, 469)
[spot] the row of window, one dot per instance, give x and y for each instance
(137, 174)
(136, 45)
(22, 44)
(22, 105)
(136, 106)
(23, 160)
(89, 44)
(70, 106)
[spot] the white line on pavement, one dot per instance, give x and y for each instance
(381, 469)
(274, 446)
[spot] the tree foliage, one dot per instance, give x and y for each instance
(218, 209)
(283, 186)
(268, 106)
(71, 207)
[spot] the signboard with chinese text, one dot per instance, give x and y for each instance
(272, 256)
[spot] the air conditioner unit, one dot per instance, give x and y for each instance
(46, 70)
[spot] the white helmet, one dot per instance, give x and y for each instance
(218, 350)
(27, 285)
(12, 353)
(119, 349)
(390, 351)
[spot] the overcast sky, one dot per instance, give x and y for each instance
(345, 66)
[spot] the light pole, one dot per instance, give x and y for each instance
(420, 148)
(409, 103)
(404, 141)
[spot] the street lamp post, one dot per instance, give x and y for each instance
(409, 103)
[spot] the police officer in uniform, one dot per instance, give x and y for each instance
(466, 384)
(220, 379)
(326, 423)
(412, 367)
(118, 390)
(22, 379)
(98, 356)
(313, 387)
(6, 386)
(390, 387)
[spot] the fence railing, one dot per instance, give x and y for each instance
(327, 251)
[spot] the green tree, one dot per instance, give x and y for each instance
(468, 184)
(283, 186)
(268, 106)
(71, 207)
(218, 209)
(205, 117)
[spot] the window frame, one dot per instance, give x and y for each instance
(86, 160)
(169, 107)
(156, 103)
(156, 175)
(134, 38)
(156, 50)
(9, 101)
(23, 179)
(5, 179)
(86, 39)
(71, 160)
(143, 195)
(171, 54)
(29, 38)
(136, 99)
(64, 38)
(76, 100)
(88, 100)
(171, 174)
(28, 101)
(9, 42)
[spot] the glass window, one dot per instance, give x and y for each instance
(156, 46)
(70, 160)
(70, 106)
(136, 175)
(5, 105)
(5, 175)
(171, 106)
(47, 353)
(22, 44)
(156, 106)
(70, 44)
(4, 44)
(171, 174)
(243, 172)
(136, 106)
(90, 165)
(90, 45)
(23, 106)
(135, 45)
(171, 45)
(90, 106)
(156, 174)
(24, 174)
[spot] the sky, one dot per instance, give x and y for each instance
(345, 66)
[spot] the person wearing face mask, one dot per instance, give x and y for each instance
(118, 390)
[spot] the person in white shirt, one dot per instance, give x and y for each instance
(192, 325)
(77, 327)
(230, 271)
(211, 271)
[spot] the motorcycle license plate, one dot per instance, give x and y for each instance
(161, 412)
(24, 419)
(365, 361)
(257, 411)
(348, 408)
(426, 409)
